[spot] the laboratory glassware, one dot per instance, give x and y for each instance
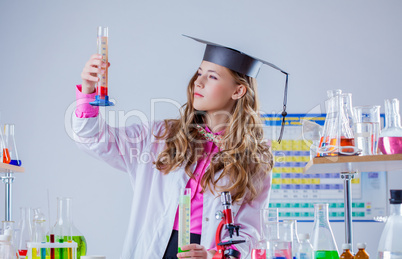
(322, 238)
(9, 230)
(305, 249)
(38, 226)
(102, 97)
(338, 138)
(346, 254)
(268, 215)
(7, 250)
(184, 218)
(295, 240)
(280, 238)
(25, 231)
(390, 141)
(390, 241)
(367, 128)
(10, 150)
(347, 106)
(65, 231)
(361, 254)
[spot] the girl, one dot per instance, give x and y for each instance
(215, 145)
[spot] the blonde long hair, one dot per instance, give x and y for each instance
(245, 158)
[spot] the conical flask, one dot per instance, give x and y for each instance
(65, 231)
(25, 231)
(390, 242)
(322, 238)
(390, 141)
(10, 151)
(338, 138)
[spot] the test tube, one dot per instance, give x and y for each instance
(184, 218)
(102, 97)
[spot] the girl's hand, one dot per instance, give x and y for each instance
(196, 251)
(89, 74)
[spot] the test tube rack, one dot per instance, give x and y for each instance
(39, 246)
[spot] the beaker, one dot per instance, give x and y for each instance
(268, 215)
(338, 136)
(367, 128)
(10, 151)
(184, 218)
(25, 231)
(390, 141)
(102, 97)
(322, 238)
(65, 231)
(280, 240)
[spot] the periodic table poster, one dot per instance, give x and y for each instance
(294, 192)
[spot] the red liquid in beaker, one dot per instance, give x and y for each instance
(344, 142)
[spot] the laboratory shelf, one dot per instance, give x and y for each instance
(336, 164)
(5, 168)
(347, 166)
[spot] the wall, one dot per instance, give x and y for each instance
(352, 45)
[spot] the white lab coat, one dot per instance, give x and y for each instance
(155, 195)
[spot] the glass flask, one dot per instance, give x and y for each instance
(347, 106)
(361, 254)
(295, 240)
(305, 250)
(25, 231)
(65, 231)
(338, 138)
(390, 141)
(322, 238)
(346, 252)
(10, 154)
(390, 242)
(367, 128)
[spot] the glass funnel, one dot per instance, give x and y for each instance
(390, 141)
(64, 229)
(322, 238)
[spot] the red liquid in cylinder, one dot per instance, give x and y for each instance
(101, 91)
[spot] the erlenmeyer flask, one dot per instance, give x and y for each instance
(390, 141)
(322, 238)
(338, 136)
(10, 146)
(25, 231)
(65, 231)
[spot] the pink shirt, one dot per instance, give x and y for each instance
(195, 184)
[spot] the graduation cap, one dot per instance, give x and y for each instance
(241, 63)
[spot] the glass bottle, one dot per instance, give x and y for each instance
(10, 151)
(361, 254)
(346, 252)
(322, 238)
(390, 141)
(390, 241)
(64, 229)
(338, 138)
(9, 233)
(7, 250)
(25, 231)
(305, 250)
